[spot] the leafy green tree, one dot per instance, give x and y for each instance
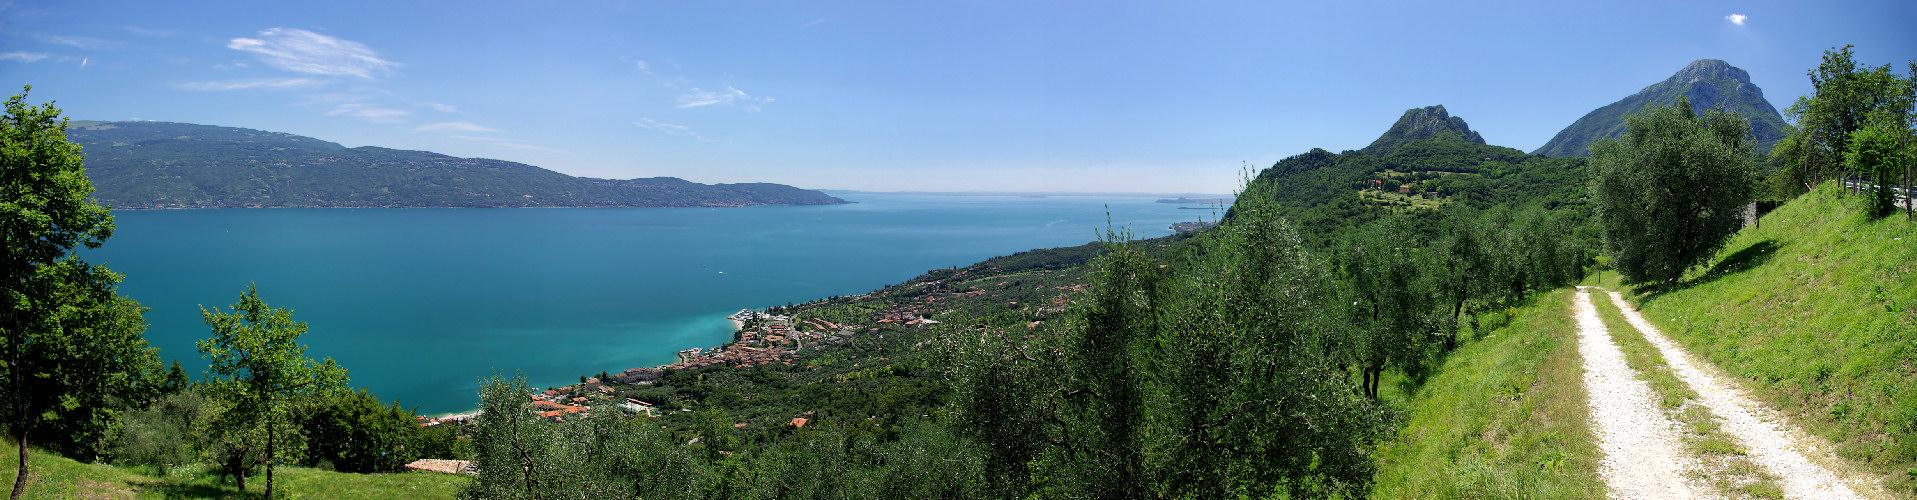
(997, 380)
(352, 432)
(58, 314)
(1846, 95)
(1251, 402)
(509, 446)
(1396, 317)
(1101, 409)
(1881, 151)
(90, 370)
(258, 370)
(1671, 191)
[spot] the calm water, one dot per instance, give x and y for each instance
(419, 304)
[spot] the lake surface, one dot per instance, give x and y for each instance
(419, 304)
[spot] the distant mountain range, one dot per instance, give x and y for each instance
(1709, 83)
(180, 165)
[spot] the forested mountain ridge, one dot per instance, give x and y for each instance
(1421, 124)
(1708, 83)
(179, 165)
(1430, 160)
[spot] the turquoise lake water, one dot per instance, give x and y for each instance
(419, 304)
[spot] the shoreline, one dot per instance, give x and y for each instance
(737, 326)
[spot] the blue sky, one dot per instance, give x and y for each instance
(934, 96)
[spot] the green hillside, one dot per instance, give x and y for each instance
(1708, 83)
(1816, 312)
(178, 165)
(1326, 192)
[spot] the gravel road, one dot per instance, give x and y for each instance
(1768, 440)
(1643, 457)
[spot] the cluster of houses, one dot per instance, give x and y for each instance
(557, 403)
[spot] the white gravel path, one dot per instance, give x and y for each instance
(1643, 457)
(1767, 439)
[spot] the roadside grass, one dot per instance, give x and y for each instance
(54, 476)
(1723, 462)
(1816, 311)
(1504, 417)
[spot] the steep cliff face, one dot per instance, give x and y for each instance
(1419, 124)
(1708, 83)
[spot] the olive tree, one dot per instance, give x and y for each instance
(1671, 190)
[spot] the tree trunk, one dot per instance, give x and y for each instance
(20, 480)
(269, 454)
(239, 473)
(19, 414)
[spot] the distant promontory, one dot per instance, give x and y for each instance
(181, 165)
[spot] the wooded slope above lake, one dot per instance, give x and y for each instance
(181, 165)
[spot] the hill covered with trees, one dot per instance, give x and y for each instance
(179, 165)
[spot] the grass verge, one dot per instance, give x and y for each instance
(54, 476)
(1505, 417)
(1723, 462)
(1816, 312)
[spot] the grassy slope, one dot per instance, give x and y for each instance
(1503, 418)
(60, 477)
(1816, 311)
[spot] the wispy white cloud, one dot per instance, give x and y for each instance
(83, 62)
(453, 127)
(25, 57)
(257, 83)
(643, 67)
(75, 41)
(308, 52)
(527, 147)
(698, 97)
(669, 128)
(156, 33)
(370, 113)
(443, 108)
(1737, 19)
(507, 143)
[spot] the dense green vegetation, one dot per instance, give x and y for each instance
(1857, 125)
(1706, 83)
(178, 165)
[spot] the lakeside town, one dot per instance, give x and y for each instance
(760, 338)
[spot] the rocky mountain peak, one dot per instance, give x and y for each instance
(1427, 123)
(1706, 83)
